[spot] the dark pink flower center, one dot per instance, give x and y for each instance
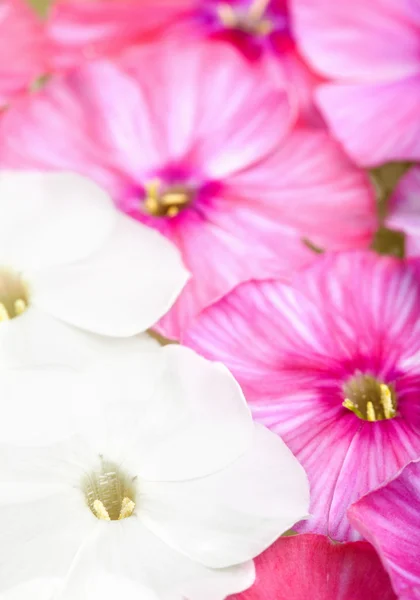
(370, 399)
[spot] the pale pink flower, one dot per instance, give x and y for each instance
(389, 518)
(372, 51)
(260, 29)
(23, 49)
(303, 567)
(404, 210)
(332, 365)
(195, 142)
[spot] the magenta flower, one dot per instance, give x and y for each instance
(82, 30)
(23, 49)
(220, 173)
(404, 210)
(389, 519)
(331, 365)
(372, 50)
(311, 566)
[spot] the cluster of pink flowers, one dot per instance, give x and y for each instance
(243, 131)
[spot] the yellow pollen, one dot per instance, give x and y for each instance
(127, 508)
(20, 306)
(165, 203)
(370, 412)
(4, 315)
(252, 22)
(386, 401)
(100, 511)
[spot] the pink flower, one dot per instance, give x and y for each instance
(372, 50)
(389, 518)
(197, 143)
(23, 49)
(404, 210)
(304, 567)
(82, 30)
(331, 365)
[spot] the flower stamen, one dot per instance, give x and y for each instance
(369, 399)
(14, 297)
(252, 22)
(166, 203)
(110, 493)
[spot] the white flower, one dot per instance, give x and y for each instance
(147, 476)
(69, 261)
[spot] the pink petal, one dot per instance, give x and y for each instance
(353, 109)
(389, 519)
(310, 185)
(83, 30)
(23, 48)
(311, 566)
(370, 41)
(404, 210)
(292, 349)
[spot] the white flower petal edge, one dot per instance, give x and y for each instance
(190, 489)
(68, 258)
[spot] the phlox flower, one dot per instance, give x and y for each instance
(389, 518)
(311, 566)
(23, 49)
(331, 364)
(372, 52)
(260, 29)
(141, 478)
(194, 141)
(75, 274)
(404, 210)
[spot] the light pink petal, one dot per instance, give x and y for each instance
(224, 113)
(23, 48)
(376, 40)
(72, 124)
(293, 349)
(83, 30)
(310, 185)
(235, 243)
(311, 566)
(389, 519)
(353, 110)
(404, 210)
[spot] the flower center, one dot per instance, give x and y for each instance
(110, 493)
(252, 21)
(14, 297)
(166, 202)
(369, 399)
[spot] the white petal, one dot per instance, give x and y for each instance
(36, 338)
(41, 538)
(127, 552)
(51, 218)
(36, 589)
(234, 515)
(121, 290)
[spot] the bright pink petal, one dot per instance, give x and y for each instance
(310, 185)
(83, 30)
(404, 210)
(311, 566)
(293, 348)
(389, 519)
(23, 48)
(353, 110)
(370, 41)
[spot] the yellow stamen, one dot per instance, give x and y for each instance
(165, 203)
(4, 315)
(370, 412)
(127, 508)
(100, 511)
(257, 9)
(386, 401)
(20, 306)
(227, 15)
